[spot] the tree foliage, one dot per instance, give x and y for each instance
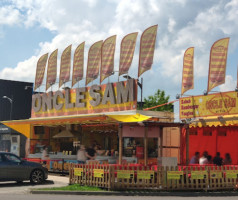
(157, 99)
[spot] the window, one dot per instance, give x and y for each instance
(193, 132)
(207, 132)
(221, 133)
(12, 158)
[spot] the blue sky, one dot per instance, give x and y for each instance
(31, 28)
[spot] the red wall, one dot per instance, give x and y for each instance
(212, 143)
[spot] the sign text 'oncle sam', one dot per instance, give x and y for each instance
(223, 103)
(95, 99)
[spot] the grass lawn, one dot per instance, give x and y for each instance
(75, 187)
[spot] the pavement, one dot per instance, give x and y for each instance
(26, 186)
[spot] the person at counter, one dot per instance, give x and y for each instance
(45, 155)
(91, 153)
(81, 155)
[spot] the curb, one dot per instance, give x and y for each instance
(135, 193)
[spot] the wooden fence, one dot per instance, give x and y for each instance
(119, 177)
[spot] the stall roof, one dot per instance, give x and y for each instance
(24, 126)
(225, 120)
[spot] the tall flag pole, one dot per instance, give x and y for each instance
(107, 59)
(40, 70)
(147, 47)
(128, 44)
(217, 65)
(94, 59)
(78, 64)
(188, 74)
(52, 69)
(237, 78)
(65, 66)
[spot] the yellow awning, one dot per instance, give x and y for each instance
(226, 120)
(130, 118)
(23, 128)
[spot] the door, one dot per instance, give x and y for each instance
(15, 144)
(13, 167)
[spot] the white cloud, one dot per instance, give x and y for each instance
(181, 24)
(229, 85)
(9, 16)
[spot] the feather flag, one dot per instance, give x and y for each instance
(94, 58)
(52, 69)
(40, 70)
(128, 44)
(78, 64)
(188, 79)
(147, 47)
(217, 65)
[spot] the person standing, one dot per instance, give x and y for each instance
(195, 158)
(217, 159)
(45, 155)
(227, 160)
(203, 160)
(91, 153)
(81, 155)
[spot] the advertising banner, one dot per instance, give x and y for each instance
(98, 173)
(199, 174)
(174, 175)
(232, 174)
(52, 69)
(110, 97)
(78, 171)
(65, 66)
(125, 174)
(107, 59)
(223, 103)
(40, 70)
(215, 174)
(147, 47)
(128, 44)
(145, 174)
(188, 79)
(78, 64)
(94, 59)
(217, 65)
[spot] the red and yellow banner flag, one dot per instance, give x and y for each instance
(94, 58)
(78, 64)
(52, 69)
(108, 51)
(128, 44)
(187, 79)
(147, 47)
(65, 65)
(40, 70)
(217, 66)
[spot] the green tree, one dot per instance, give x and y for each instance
(157, 99)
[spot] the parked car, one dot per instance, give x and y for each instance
(13, 168)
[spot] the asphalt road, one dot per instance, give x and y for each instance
(24, 188)
(76, 197)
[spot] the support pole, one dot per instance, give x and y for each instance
(181, 146)
(146, 144)
(187, 144)
(120, 143)
(161, 142)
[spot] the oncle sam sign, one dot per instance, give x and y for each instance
(224, 103)
(95, 99)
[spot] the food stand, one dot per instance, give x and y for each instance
(212, 125)
(65, 119)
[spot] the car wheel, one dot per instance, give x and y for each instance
(37, 176)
